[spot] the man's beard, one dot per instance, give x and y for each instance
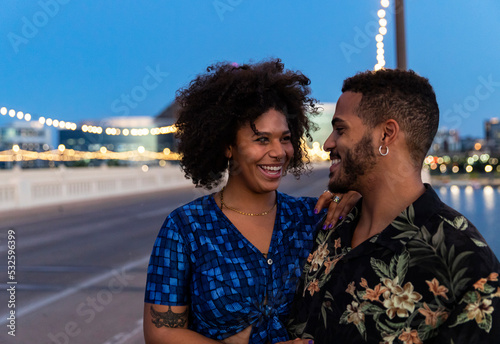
(356, 162)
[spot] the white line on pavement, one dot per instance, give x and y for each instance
(60, 295)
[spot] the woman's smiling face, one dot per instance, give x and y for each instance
(259, 157)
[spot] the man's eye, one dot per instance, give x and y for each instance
(262, 140)
(286, 139)
(339, 130)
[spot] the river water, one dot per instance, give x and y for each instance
(481, 205)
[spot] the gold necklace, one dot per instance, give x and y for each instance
(241, 212)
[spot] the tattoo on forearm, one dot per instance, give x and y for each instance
(169, 318)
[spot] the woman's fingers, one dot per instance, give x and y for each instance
(339, 207)
(334, 211)
(324, 201)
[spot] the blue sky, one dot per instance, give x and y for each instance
(75, 60)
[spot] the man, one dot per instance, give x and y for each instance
(402, 267)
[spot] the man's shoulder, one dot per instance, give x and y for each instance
(447, 229)
(449, 217)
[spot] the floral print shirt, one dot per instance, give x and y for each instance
(429, 277)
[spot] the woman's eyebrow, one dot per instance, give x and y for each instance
(258, 133)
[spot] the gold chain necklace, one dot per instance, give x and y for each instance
(241, 212)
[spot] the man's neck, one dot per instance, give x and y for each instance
(383, 201)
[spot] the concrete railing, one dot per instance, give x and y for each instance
(38, 187)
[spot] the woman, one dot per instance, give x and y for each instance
(224, 267)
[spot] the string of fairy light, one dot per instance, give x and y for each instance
(382, 31)
(91, 129)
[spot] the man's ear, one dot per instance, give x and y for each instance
(229, 152)
(389, 132)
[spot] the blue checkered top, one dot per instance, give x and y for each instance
(200, 259)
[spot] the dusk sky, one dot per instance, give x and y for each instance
(77, 60)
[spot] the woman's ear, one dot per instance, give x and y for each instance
(229, 152)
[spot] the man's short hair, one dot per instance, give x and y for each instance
(400, 95)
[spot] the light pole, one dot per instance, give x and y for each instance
(400, 35)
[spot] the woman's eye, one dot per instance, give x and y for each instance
(262, 139)
(286, 139)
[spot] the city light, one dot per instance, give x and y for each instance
(63, 154)
(484, 158)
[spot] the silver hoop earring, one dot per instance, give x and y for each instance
(386, 152)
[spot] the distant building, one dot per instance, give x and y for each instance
(492, 133)
(472, 144)
(84, 140)
(446, 141)
(31, 136)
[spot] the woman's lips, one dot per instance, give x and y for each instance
(271, 171)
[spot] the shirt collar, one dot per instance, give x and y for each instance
(405, 226)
